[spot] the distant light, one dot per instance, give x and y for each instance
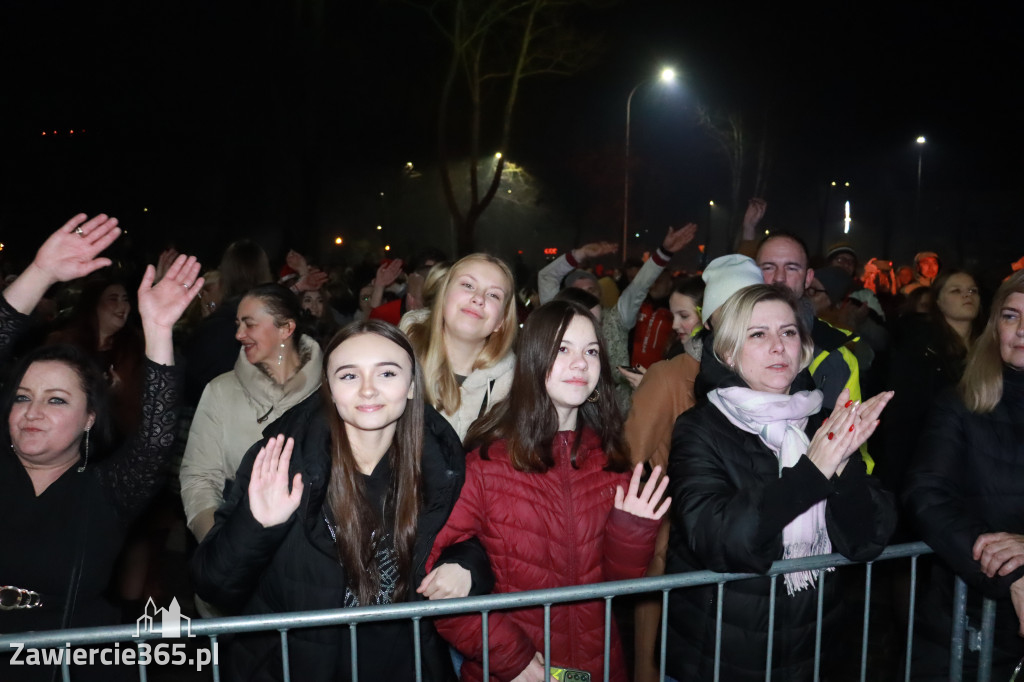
(636, 234)
(668, 75)
(145, 210)
(847, 184)
(71, 132)
(497, 155)
(382, 193)
(338, 240)
(549, 251)
(520, 251)
(711, 203)
(920, 139)
(44, 132)
(846, 220)
(767, 231)
(54, 132)
(387, 247)
(510, 191)
(1, 247)
(833, 183)
(380, 227)
(408, 165)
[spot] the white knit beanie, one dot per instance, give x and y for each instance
(725, 276)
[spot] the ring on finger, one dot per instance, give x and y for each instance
(79, 231)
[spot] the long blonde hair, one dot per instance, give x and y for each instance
(427, 337)
(981, 387)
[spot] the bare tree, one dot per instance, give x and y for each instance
(495, 45)
(748, 153)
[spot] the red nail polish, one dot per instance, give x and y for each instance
(851, 428)
(848, 403)
(831, 435)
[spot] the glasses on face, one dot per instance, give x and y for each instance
(814, 291)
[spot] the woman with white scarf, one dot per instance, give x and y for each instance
(750, 487)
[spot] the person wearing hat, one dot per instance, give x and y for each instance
(926, 265)
(666, 391)
(618, 320)
(842, 255)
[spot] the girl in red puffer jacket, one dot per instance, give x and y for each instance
(548, 493)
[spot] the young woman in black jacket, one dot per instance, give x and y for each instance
(339, 507)
(752, 482)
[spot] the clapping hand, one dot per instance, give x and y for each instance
(644, 503)
(847, 428)
(270, 501)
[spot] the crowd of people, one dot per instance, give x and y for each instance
(432, 429)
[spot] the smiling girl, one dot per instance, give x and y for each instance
(465, 344)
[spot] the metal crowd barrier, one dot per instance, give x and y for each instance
(962, 636)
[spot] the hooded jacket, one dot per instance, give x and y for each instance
(730, 503)
(480, 391)
(231, 415)
(294, 566)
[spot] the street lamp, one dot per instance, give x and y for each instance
(917, 199)
(667, 75)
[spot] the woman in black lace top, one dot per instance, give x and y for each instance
(69, 515)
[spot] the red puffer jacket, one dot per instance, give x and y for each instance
(545, 530)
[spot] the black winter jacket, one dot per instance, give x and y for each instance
(243, 567)
(968, 479)
(729, 507)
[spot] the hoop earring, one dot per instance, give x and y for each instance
(86, 462)
(280, 355)
(594, 397)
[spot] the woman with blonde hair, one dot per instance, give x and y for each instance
(964, 491)
(465, 345)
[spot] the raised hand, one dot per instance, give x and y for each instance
(297, 262)
(644, 503)
(447, 581)
(755, 211)
(312, 280)
(69, 253)
(847, 428)
(594, 250)
(999, 553)
(161, 304)
(676, 239)
(163, 263)
(270, 501)
(387, 273)
(73, 250)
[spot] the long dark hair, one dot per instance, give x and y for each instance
(284, 306)
(346, 497)
(527, 419)
(91, 380)
(950, 344)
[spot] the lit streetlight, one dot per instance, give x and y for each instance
(667, 75)
(917, 200)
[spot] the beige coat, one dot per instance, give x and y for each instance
(232, 413)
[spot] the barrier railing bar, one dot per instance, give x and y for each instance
(607, 637)
(353, 643)
(216, 663)
(286, 664)
(718, 632)
(485, 635)
(664, 635)
(988, 628)
(65, 670)
(911, 607)
(547, 641)
(867, 623)
(956, 644)
(143, 673)
(817, 625)
(417, 654)
(771, 629)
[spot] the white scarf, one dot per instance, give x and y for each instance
(779, 421)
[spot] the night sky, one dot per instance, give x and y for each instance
(284, 122)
